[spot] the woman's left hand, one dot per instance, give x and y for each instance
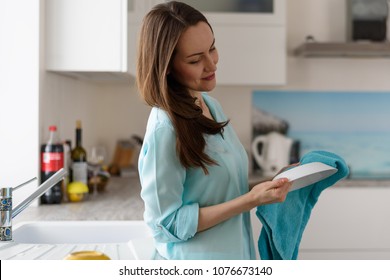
(287, 167)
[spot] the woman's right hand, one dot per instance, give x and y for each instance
(262, 193)
(269, 192)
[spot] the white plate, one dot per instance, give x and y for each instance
(307, 174)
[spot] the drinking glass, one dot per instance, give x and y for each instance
(96, 159)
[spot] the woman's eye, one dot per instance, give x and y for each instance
(194, 62)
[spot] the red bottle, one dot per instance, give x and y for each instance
(52, 160)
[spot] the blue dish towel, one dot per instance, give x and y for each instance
(284, 223)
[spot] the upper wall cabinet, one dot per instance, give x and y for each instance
(250, 38)
(98, 39)
(94, 39)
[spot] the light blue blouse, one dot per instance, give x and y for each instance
(173, 194)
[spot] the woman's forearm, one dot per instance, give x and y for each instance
(263, 193)
(212, 215)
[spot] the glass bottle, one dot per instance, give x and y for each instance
(52, 160)
(79, 158)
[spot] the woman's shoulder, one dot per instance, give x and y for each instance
(211, 100)
(158, 118)
(214, 106)
(208, 97)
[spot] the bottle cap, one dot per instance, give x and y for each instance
(78, 124)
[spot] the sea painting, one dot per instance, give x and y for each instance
(354, 125)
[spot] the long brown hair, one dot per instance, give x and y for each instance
(160, 32)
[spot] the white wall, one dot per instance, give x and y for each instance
(110, 112)
(326, 21)
(19, 93)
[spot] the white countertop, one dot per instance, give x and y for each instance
(120, 201)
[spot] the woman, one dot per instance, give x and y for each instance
(193, 168)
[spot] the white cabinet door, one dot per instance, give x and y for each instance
(349, 223)
(86, 35)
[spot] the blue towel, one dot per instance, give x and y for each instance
(284, 223)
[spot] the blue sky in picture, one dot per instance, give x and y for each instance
(328, 111)
(355, 125)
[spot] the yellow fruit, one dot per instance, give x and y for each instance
(76, 191)
(77, 187)
(76, 197)
(87, 255)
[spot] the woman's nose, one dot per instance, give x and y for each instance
(211, 64)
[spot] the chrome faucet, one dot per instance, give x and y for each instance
(7, 212)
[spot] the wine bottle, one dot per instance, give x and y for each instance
(67, 166)
(52, 160)
(79, 158)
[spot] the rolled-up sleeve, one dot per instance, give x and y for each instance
(162, 180)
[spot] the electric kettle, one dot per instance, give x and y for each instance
(272, 152)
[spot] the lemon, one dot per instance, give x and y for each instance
(76, 197)
(76, 191)
(87, 255)
(77, 187)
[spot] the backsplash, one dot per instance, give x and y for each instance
(108, 111)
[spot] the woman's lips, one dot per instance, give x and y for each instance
(209, 78)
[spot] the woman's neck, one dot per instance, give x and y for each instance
(200, 102)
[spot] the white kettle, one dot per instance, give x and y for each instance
(274, 153)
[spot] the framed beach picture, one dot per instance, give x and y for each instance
(354, 125)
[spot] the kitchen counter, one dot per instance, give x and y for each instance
(121, 204)
(120, 201)
(108, 222)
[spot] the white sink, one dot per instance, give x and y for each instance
(56, 239)
(79, 232)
